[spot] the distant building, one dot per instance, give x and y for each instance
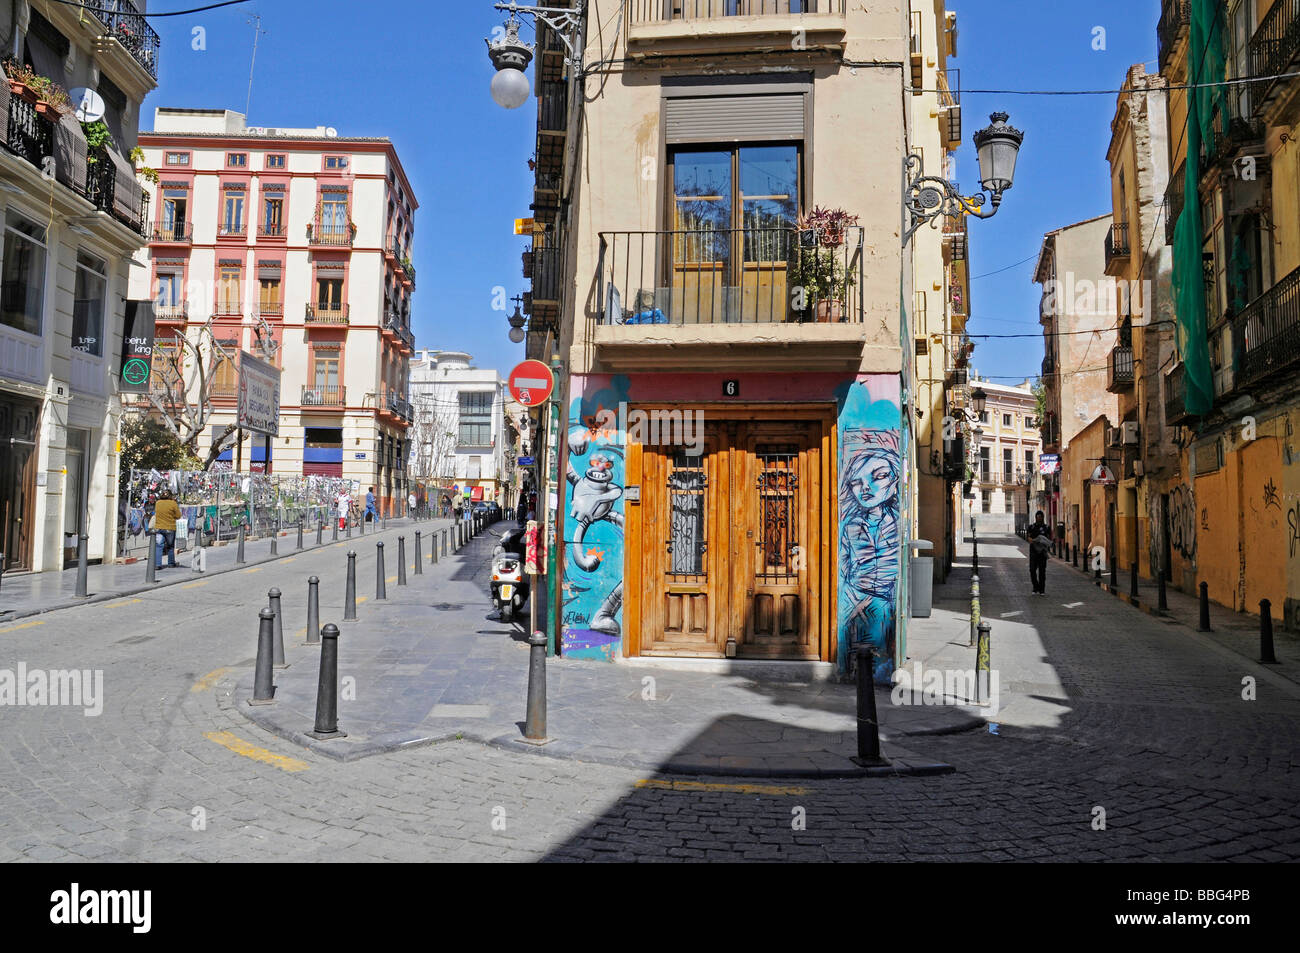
(292, 245)
(1006, 457)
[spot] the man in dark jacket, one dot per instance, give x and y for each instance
(1040, 541)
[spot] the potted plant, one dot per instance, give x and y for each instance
(51, 98)
(97, 139)
(821, 277)
(828, 225)
(20, 79)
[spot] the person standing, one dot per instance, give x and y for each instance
(1040, 540)
(165, 516)
(410, 504)
(342, 505)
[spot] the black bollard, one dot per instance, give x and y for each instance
(1163, 604)
(347, 524)
(419, 557)
(263, 688)
(82, 580)
(1114, 573)
(975, 554)
(401, 560)
(381, 584)
(300, 532)
(350, 594)
(1133, 580)
(327, 687)
(2, 566)
(1074, 556)
(868, 722)
(320, 529)
(1266, 633)
(313, 610)
(444, 542)
(274, 597)
(239, 553)
(1205, 608)
(150, 571)
(535, 722)
(433, 548)
(334, 529)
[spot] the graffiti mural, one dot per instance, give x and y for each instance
(1182, 522)
(1293, 524)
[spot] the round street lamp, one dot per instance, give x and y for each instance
(978, 400)
(998, 146)
(511, 56)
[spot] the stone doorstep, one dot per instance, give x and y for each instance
(758, 670)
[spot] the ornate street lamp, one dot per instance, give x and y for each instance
(516, 324)
(978, 401)
(930, 197)
(511, 55)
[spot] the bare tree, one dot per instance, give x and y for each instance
(435, 430)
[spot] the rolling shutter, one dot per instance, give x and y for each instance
(768, 117)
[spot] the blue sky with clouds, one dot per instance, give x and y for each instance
(417, 71)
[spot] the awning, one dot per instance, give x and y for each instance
(126, 190)
(70, 153)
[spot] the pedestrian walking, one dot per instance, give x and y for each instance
(343, 505)
(371, 513)
(165, 515)
(1040, 541)
(410, 505)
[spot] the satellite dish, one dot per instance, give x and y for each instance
(87, 105)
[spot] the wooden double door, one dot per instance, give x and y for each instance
(19, 424)
(725, 552)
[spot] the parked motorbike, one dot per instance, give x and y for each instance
(509, 584)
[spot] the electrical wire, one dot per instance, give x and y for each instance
(81, 5)
(1007, 268)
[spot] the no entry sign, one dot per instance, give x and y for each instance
(531, 383)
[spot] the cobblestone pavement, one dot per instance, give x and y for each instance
(1109, 708)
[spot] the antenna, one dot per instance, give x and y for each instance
(256, 21)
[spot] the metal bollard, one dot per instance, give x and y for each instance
(334, 526)
(313, 610)
(974, 607)
(868, 721)
(381, 585)
(1074, 556)
(300, 532)
(535, 721)
(150, 571)
(263, 687)
(239, 553)
(274, 597)
(433, 548)
(1205, 608)
(444, 542)
(982, 664)
(275, 542)
(320, 529)
(975, 554)
(1163, 604)
(350, 593)
(2, 566)
(1114, 573)
(327, 687)
(347, 525)
(401, 560)
(1266, 633)
(82, 579)
(419, 557)
(1133, 580)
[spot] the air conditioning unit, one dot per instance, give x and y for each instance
(1129, 432)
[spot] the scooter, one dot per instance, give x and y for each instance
(509, 584)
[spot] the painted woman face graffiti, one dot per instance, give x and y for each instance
(873, 481)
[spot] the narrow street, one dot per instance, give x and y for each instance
(1104, 706)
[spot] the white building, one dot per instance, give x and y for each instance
(461, 437)
(1006, 456)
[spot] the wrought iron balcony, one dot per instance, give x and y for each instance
(1175, 15)
(399, 406)
(271, 230)
(1049, 365)
(1174, 199)
(173, 233)
(1266, 334)
(546, 275)
(330, 313)
(334, 395)
(331, 237)
(125, 24)
(659, 11)
(553, 107)
(1117, 247)
(101, 190)
(1175, 398)
(1230, 133)
(29, 136)
(1274, 49)
(232, 229)
(955, 236)
(730, 276)
(172, 313)
(1120, 369)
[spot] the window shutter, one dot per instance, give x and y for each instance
(771, 117)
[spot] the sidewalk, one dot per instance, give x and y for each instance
(28, 594)
(432, 663)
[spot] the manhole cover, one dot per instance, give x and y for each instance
(448, 606)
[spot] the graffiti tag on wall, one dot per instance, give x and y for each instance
(1182, 522)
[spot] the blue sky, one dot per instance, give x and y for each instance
(417, 71)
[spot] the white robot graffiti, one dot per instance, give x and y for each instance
(594, 495)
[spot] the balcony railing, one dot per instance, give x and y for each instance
(546, 274)
(662, 11)
(1117, 248)
(1230, 131)
(730, 276)
(175, 313)
(1174, 199)
(328, 313)
(131, 209)
(232, 229)
(1274, 48)
(173, 233)
(1175, 397)
(955, 234)
(553, 107)
(1266, 334)
(1049, 365)
(1175, 15)
(271, 230)
(30, 136)
(400, 406)
(1120, 369)
(334, 395)
(128, 27)
(333, 237)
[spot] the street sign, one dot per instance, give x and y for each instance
(527, 461)
(137, 348)
(1103, 474)
(524, 226)
(259, 395)
(531, 383)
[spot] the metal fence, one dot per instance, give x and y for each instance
(215, 504)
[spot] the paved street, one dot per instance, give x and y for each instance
(1103, 707)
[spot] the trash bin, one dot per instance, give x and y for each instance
(922, 572)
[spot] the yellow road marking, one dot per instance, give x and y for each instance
(254, 569)
(392, 579)
(715, 787)
(361, 599)
(195, 585)
(119, 605)
(25, 625)
(241, 747)
(210, 679)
